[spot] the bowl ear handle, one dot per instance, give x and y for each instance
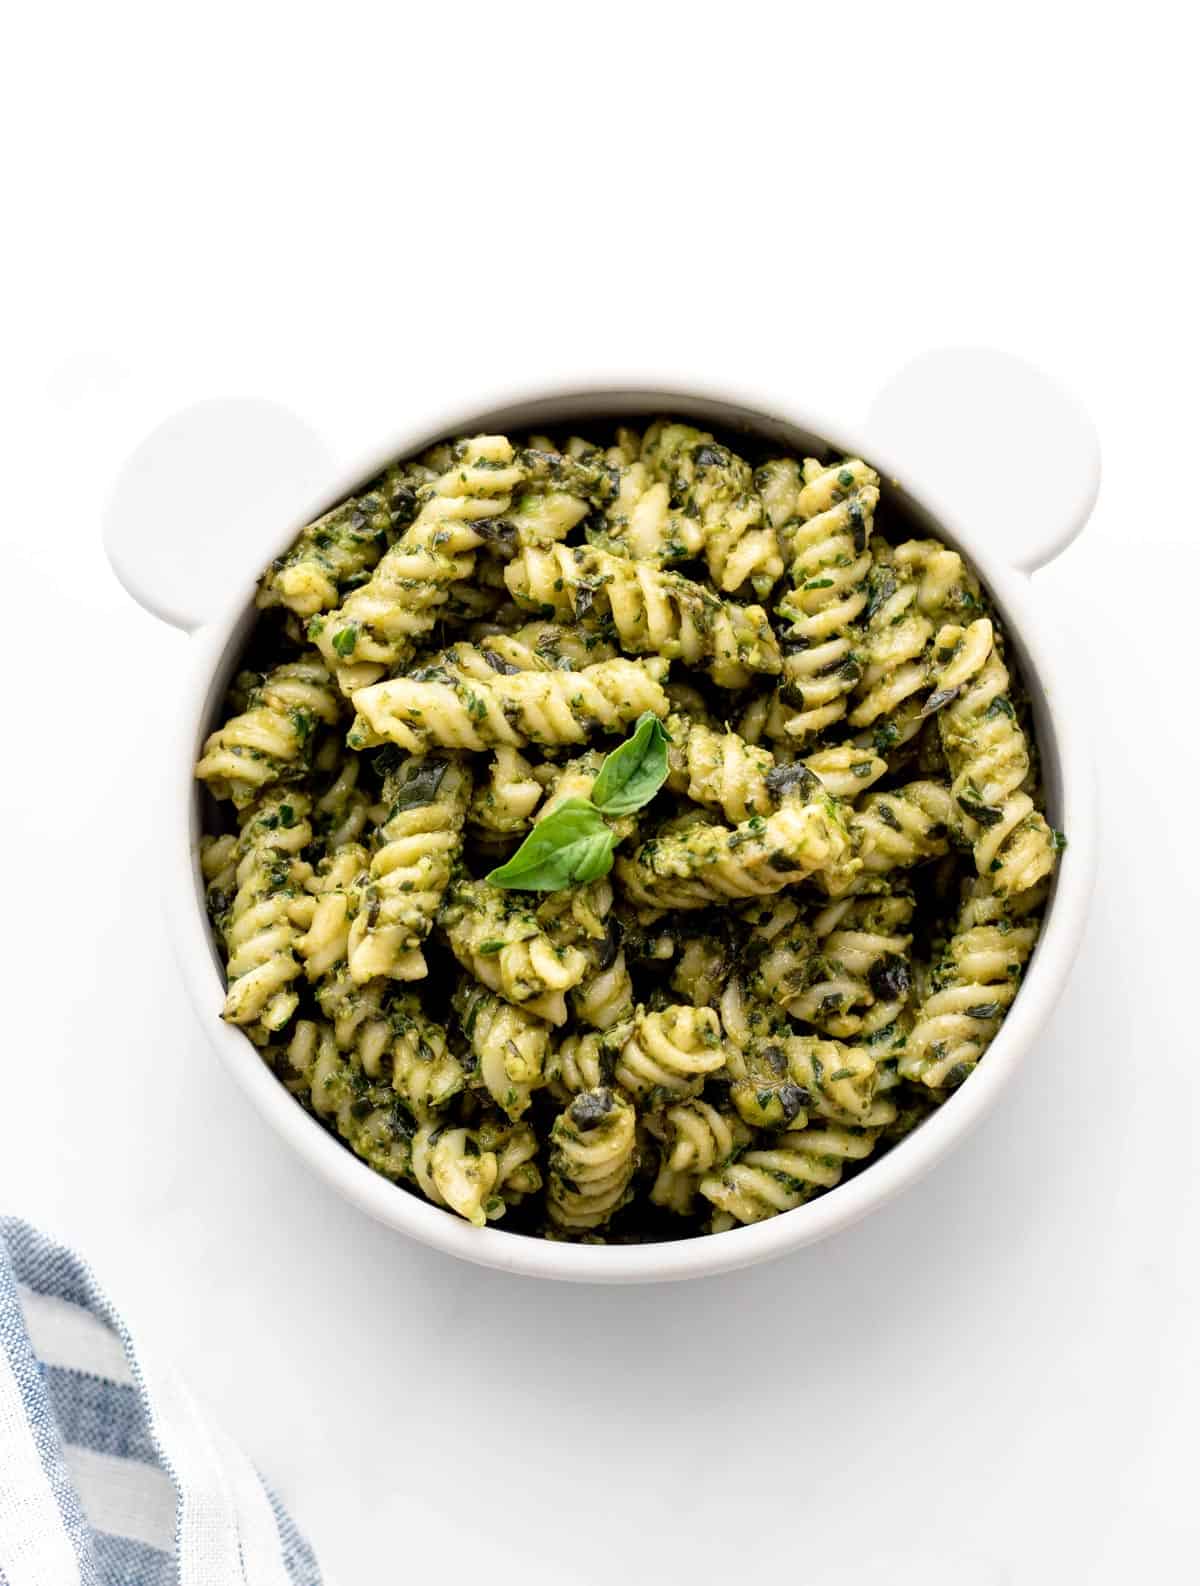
(203, 501)
(997, 443)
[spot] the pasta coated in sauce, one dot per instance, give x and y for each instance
(809, 936)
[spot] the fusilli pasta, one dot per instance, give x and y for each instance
(971, 985)
(443, 706)
(379, 624)
(651, 610)
(339, 550)
(669, 1053)
(419, 839)
(691, 869)
(828, 539)
(497, 938)
(989, 759)
(787, 1171)
(267, 915)
(714, 488)
(508, 1044)
(696, 977)
(593, 1154)
(271, 740)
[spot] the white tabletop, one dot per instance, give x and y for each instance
(994, 1379)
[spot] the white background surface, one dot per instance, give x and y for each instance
(363, 213)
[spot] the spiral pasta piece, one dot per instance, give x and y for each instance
(426, 1074)
(392, 1040)
(497, 653)
(640, 522)
(971, 985)
(829, 546)
(846, 770)
(218, 866)
(837, 1081)
(497, 938)
(536, 517)
(860, 977)
(573, 779)
(365, 1112)
(719, 769)
(562, 647)
(791, 1169)
(989, 760)
(651, 609)
(515, 1147)
(578, 470)
(913, 588)
(896, 830)
(779, 1079)
(584, 1060)
(693, 868)
(378, 625)
(333, 884)
(504, 803)
(510, 1046)
(267, 915)
(779, 483)
(777, 955)
(946, 587)
(580, 917)
(593, 1155)
(604, 996)
(418, 843)
(668, 1053)
(453, 1170)
(451, 710)
(702, 966)
(699, 1137)
(272, 739)
(761, 1087)
(339, 549)
(714, 488)
(696, 1138)
(894, 646)
(625, 449)
(358, 1014)
(674, 1191)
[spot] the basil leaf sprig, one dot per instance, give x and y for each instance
(633, 773)
(574, 843)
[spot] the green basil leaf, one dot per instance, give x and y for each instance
(570, 846)
(632, 774)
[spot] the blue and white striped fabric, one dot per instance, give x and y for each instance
(109, 1474)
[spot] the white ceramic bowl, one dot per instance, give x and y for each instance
(946, 435)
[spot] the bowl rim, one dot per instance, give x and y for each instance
(1046, 666)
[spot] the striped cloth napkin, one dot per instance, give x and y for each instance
(109, 1474)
